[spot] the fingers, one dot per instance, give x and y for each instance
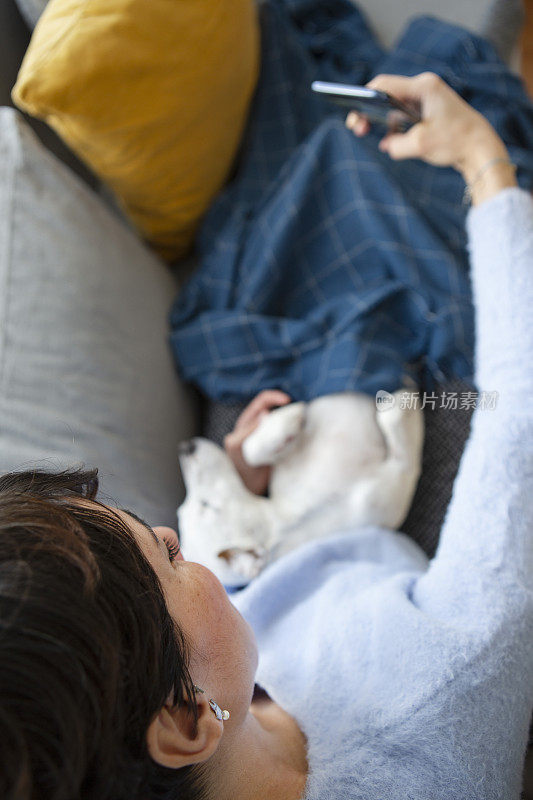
(449, 132)
(417, 89)
(261, 404)
(256, 479)
(404, 145)
(397, 146)
(233, 446)
(233, 441)
(407, 89)
(357, 123)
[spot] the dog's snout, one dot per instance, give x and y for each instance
(187, 448)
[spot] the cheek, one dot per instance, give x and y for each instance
(208, 588)
(198, 602)
(231, 641)
(216, 632)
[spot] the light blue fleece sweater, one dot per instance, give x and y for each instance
(413, 679)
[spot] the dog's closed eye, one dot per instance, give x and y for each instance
(206, 504)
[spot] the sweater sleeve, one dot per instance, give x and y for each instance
(485, 554)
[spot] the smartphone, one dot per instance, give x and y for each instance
(378, 107)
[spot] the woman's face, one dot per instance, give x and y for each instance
(222, 645)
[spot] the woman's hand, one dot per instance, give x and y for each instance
(255, 479)
(451, 133)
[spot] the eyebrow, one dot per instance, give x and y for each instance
(143, 522)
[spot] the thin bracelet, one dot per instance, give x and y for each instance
(467, 195)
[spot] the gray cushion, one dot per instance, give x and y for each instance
(14, 39)
(31, 10)
(86, 375)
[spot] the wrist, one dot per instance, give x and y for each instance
(485, 165)
(481, 149)
(493, 180)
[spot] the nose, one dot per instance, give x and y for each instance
(187, 447)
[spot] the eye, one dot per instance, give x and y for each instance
(205, 504)
(173, 548)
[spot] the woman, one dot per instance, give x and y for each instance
(126, 672)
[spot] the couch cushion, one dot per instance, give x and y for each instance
(31, 10)
(152, 95)
(85, 371)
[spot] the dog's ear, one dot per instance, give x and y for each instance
(247, 563)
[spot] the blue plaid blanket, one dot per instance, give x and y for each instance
(324, 265)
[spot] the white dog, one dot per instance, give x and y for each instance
(337, 463)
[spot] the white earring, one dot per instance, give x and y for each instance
(220, 714)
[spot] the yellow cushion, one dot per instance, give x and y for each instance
(152, 95)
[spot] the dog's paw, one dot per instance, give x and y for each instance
(274, 434)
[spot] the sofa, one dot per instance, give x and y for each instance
(86, 373)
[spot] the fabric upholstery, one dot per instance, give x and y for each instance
(31, 10)
(14, 40)
(85, 372)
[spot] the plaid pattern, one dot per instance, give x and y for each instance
(325, 266)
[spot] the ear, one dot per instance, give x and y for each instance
(174, 741)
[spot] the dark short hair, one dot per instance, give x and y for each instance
(89, 653)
